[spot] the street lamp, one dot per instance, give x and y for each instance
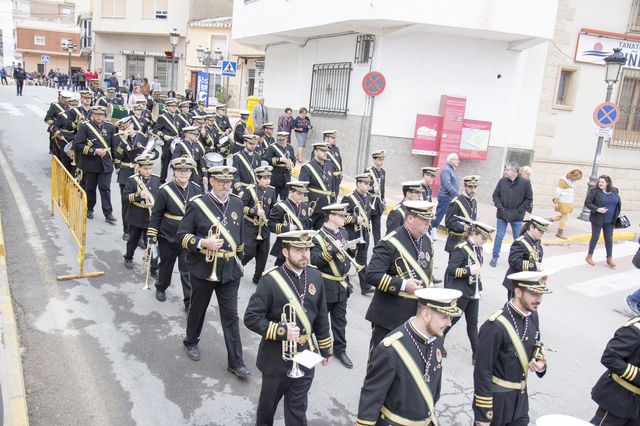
(208, 60)
(70, 48)
(614, 64)
(173, 40)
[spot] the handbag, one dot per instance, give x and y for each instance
(622, 222)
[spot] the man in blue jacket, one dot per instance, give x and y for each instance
(449, 188)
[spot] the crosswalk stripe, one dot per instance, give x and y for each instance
(566, 261)
(37, 110)
(11, 109)
(609, 284)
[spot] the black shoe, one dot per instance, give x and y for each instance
(110, 219)
(125, 236)
(89, 214)
(161, 296)
(344, 360)
(437, 281)
(366, 290)
(128, 263)
(193, 352)
(153, 274)
(494, 262)
(242, 371)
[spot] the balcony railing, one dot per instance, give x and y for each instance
(86, 42)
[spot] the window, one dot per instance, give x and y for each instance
(524, 157)
(364, 48)
(565, 88)
(86, 39)
(135, 66)
(113, 8)
(39, 40)
(155, 9)
(65, 11)
(163, 71)
(634, 18)
(330, 88)
(107, 65)
(626, 133)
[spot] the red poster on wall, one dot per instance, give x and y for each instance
(426, 134)
(452, 109)
(474, 141)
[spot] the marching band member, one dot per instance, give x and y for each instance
(239, 130)
(404, 377)
(464, 274)
(94, 86)
(184, 115)
(331, 260)
(291, 214)
(335, 160)
(463, 205)
(318, 172)
(110, 98)
(62, 131)
(401, 263)
(411, 191)
(140, 121)
(189, 146)
(358, 224)
(55, 108)
(281, 156)
(167, 129)
(212, 233)
(267, 139)
(428, 179)
(288, 306)
(206, 138)
(199, 109)
(141, 189)
(499, 377)
(245, 162)
(258, 201)
(170, 205)
(378, 205)
(221, 122)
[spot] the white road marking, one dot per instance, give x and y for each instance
(10, 109)
(37, 110)
(609, 284)
(571, 260)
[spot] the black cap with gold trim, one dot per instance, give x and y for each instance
(539, 222)
(431, 171)
(443, 300)
(221, 172)
(472, 180)
(298, 185)
(321, 146)
(412, 186)
(364, 177)
(144, 160)
(302, 238)
(423, 209)
(534, 281)
(483, 228)
(183, 163)
(377, 154)
(336, 208)
(263, 171)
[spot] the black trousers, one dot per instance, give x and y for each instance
(19, 85)
(279, 182)
(165, 160)
(470, 308)
(101, 181)
(168, 253)
(607, 418)
(125, 206)
(258, 249)
(4, 81)
(338, 313)
(607, 230)
(375, 227)
(295, 392)
(361, 258)
(377, 334)
(227, 295)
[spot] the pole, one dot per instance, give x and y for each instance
(207, 65)
(173, 64)
(69, 74)
(593, 179)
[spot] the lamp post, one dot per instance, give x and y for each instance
(614, 64)
(70, 48)
(173, 40)
(205, 57)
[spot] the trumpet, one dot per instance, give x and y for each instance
(407, 272)
(212, 255)
(356, 227)
(474, 280)
(261, 221)
(358, 267)
(141, 188)
(290, 347)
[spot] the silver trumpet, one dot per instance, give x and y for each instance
(290, 347)
(474, 280)
(212, 255)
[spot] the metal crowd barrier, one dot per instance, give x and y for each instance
(71, 200)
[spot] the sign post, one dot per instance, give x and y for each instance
(373, 83)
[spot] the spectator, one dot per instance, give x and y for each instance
(156, 85)
(449, 188)
(135, 97)
(113, 82)
(563, 199)
(526, 172)
(145, 88)
(171, 94)
(3, 76)
(260, 114)
(19, 75)
(301, 125)
(94, 75)
(81, 80)
(129, 84)
(512, 197)
(604, 203)
(285, 121)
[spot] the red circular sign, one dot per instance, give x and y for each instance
(373, 83)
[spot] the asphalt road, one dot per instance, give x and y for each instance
(102, 351)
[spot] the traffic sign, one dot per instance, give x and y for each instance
(373, 83)
(606, 114)
(229, 68)
(44, 59)
(604, 132)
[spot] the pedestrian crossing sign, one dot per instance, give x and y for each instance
(229, 68)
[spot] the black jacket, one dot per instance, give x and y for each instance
(512, 198)
(594, 201)
(90, 137)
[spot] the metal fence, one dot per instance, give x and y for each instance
(626, 133)
(330, 88)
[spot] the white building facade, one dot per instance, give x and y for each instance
(490, 52)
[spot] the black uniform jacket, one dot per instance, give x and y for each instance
(427, 192)
(523, 255)
(244, 164)
(286, 209)
(167, 125)
(458, 275)
(266, 197)
(496, 357)
(320, 184)
(195, 225)
(54, 109)
(127, 149)
(193, 150)
(395, 218)
(183, 121)
(332, 263)
(460, 206)
(389, 383)
(618, 389)
(138, 214)
(358, 206)
(169, 209)
(335, 161)
(140, 124)
(90, 137)
(76, 116)
(391, 307)
(238, 136)
(264, 312)
(379, 176)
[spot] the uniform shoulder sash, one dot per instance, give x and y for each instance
(315, 174)
(361, 209)
(464, 211)
(186, 149)
(295, 303)
(409, 259)
(242, 158)
(516, 342)
(173, 126)
(335, 161)
(319, 237)
(99, 137)
(532, 252)
(292, 215)
(471, 253)
(215, 221)
(172, 194)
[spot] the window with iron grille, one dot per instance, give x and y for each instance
(330, 88)
(364, 48)
(634, 17)
(626, 133)
(523, 157)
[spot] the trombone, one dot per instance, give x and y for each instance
(212, 255)
(290, 347)
(358, 267)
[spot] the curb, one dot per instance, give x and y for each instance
(584, 237)
(11, 376)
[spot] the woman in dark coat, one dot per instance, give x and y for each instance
(604, 203)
